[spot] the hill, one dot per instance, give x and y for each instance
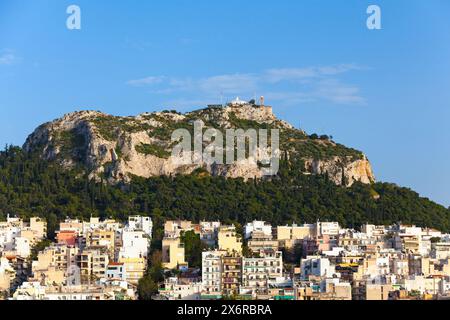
(116, 148)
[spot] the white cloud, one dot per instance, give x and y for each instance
(331, 90)
(277, 75)
(288, 86)
(229, 84)
(335, 91)
(7, 57)
(290, 74)
(289, 98)
(148, 81)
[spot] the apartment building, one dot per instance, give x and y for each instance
(116, 271)
(231, 274)
(316, 266)
(102, 238)
(441, 250)
(229, 240)
(289, 236)
(52, 263)
(18, 237)
(139, 223)
(72, 225)
(9, 230)
(327, 229)
(261, 227)
(209, 233)
(67, 237)
(134, 268)
(399, 265)
(378, 291)
(261, 242)
(173, 229)
(134, 244)
(22, 246)
(173, 254)
(180, 289)
(259, 272)
(212, 274)
(95, 224)
(108, 291)
(39, 227)
(7, 274)
(93, 263)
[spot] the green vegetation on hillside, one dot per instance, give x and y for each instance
(148, 285)
(153, 149)
(110, 127)
(314, 146)
(30, 186)
(193, 248)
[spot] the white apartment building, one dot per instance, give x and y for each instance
(317, 266)
(135, 244)
(29, 234)
(258, 226)
(399, 265)
(421, 284)
(106, 291)
(141, 223)
(212, 273)
(7, 274)
(22, 247)
(441, 250)
(8, 233)
(374, 231)
(174, 289)
(327, 228)
(95, 224)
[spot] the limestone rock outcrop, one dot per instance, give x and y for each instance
(116, 148)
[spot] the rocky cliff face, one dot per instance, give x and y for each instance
(116, 148)
(343, 173)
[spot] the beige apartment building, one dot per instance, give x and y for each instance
(93, 263)
(174, 228)
(34, 231)
(7, 274)
(134, 268)
(52, 264)
(228, 240)
(231, 274)
(441, 250)
(102, 238)
(72, 225)
(173, 253)
(39, 227)
(378, 291)
(260, 242)
(289, 236)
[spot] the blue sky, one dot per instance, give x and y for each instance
(385, 92)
